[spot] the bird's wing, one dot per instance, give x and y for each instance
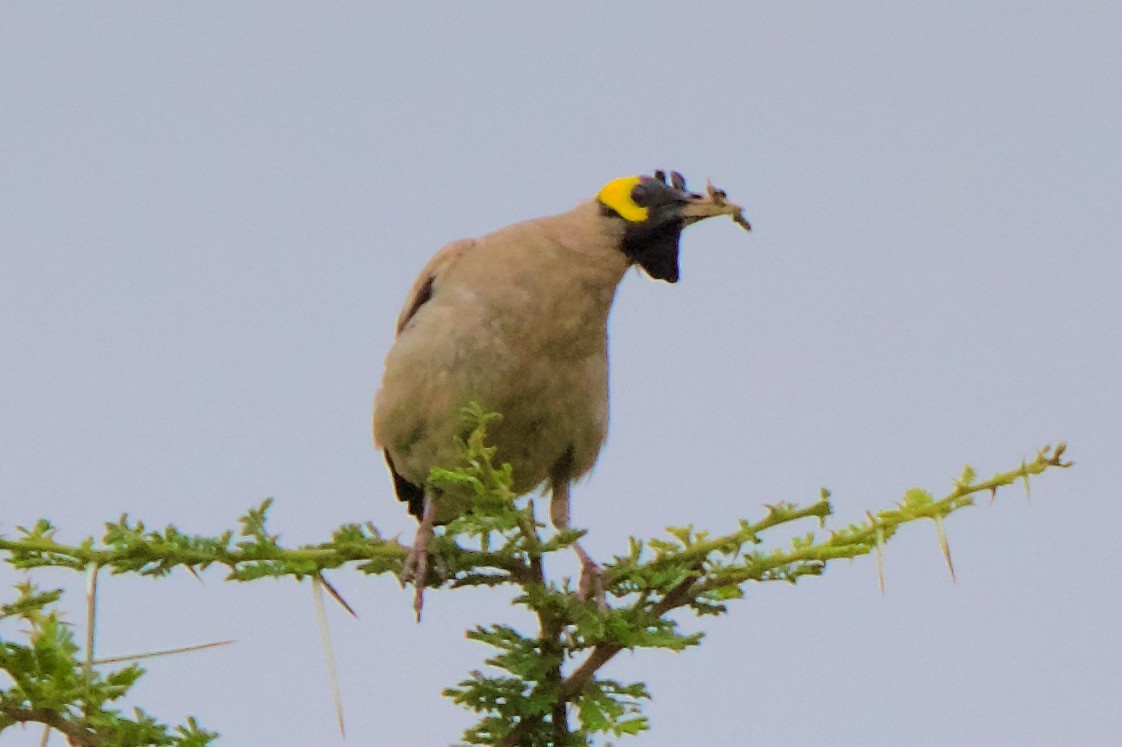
(428, 281)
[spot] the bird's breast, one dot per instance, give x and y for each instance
(521, 333)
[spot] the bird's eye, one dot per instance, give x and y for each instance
(639, 195)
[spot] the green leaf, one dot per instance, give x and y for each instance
(917, 498)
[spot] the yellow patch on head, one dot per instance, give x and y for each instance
(616, 194)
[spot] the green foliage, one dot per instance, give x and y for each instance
(53, 686)
(537, 681)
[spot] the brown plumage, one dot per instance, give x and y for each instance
(517, 321)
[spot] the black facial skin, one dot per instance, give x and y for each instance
(653, 244)
(654, 248)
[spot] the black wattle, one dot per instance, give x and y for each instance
(655, 249)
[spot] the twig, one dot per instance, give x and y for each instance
(75, 734)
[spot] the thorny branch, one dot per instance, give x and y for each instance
(499, 543)
(75, 734)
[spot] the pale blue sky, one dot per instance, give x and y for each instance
(210, 214)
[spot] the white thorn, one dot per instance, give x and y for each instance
(162, 652)
(91, 616)
(325, 638)
(944, 546)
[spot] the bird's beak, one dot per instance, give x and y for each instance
(653, 245)
(713, 203)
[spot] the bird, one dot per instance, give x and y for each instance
(516, 321)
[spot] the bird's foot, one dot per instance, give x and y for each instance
(591, 584)
(415, 568)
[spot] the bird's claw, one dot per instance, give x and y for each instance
(415, 570)
(591, 584)
(415, 567)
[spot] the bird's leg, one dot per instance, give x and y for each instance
(590, 585)
(416, 565)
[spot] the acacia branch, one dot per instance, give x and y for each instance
(310, 560)
(603, 652)
(76, 734)
(656, 577)
(783, 565)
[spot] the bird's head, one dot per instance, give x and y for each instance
(654, 211)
